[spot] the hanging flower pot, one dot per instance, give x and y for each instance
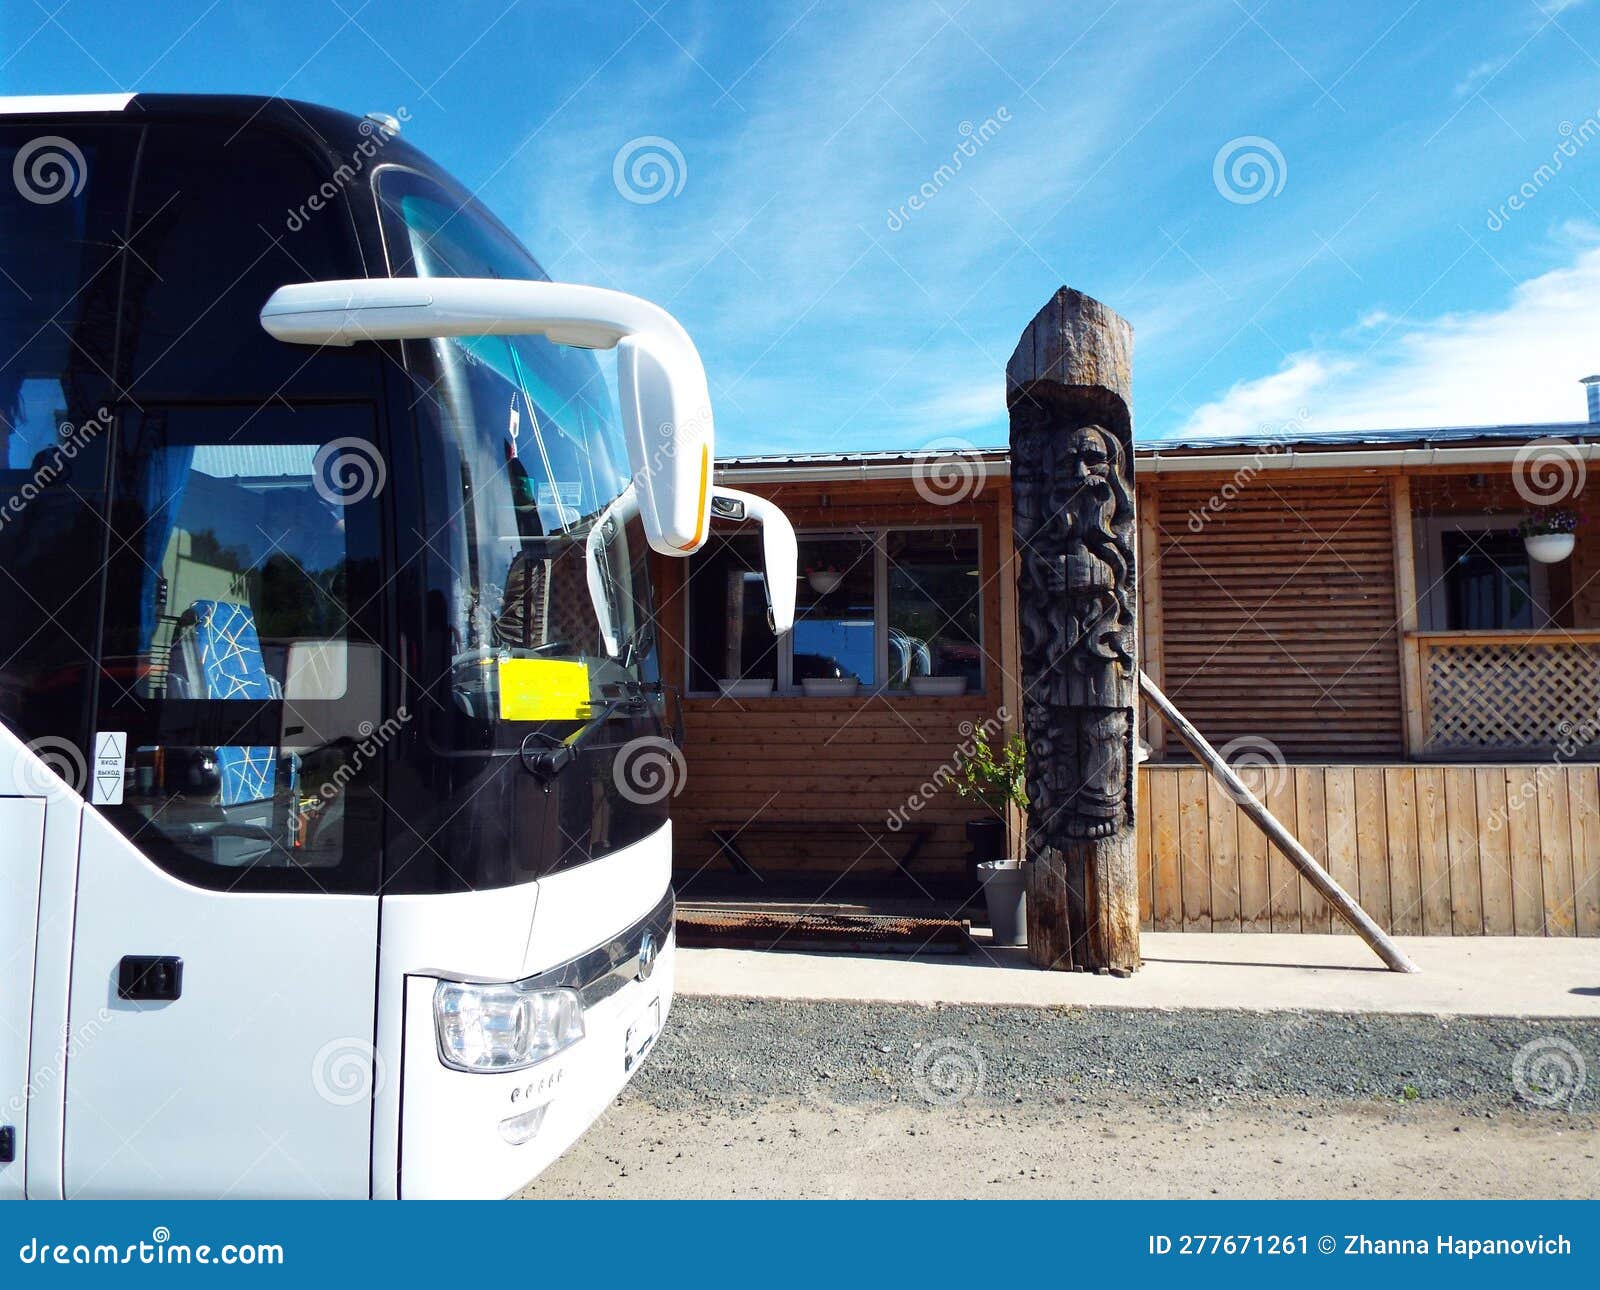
(1549, 548)
(1548, 535)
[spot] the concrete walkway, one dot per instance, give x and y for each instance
(1461, 976)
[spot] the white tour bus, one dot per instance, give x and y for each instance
(333, 764)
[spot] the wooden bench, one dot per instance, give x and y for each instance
(727, 837)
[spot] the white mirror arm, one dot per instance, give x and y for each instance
(661, 381)
(618, 513)
(780, 553)
(346, 311)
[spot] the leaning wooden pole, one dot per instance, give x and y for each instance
(1068, 391)
(1315, 874)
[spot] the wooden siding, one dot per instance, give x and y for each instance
(1429, 850)
(793, 760)
(1278, 611)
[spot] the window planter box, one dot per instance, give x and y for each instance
(940, 687)
(830, 687)
(741, 687)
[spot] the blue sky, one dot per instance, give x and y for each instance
(1303, 209)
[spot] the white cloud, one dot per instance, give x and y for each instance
(1469, 83)
(1516, 364)
(961, 406)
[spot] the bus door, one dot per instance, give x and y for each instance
(224, 958)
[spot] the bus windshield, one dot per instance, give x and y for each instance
(542, 462)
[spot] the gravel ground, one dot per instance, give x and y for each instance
(735, 1051)
(771, 1098)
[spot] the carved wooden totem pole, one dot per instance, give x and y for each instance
(1068, 389)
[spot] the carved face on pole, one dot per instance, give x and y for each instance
(1075, 511)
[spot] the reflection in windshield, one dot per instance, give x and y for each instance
(543, 463)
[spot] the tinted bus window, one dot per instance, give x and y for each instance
(62, 205)
(242, 654)
(210, 243)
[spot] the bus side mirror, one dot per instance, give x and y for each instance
(666, 407)
(780, 553)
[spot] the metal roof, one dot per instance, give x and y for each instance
(1419, 437)
(1306, 441)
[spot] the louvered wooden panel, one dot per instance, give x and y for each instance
(1279, 612)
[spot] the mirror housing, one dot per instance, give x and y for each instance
(779, 550)
(666, 406)
(780, 553)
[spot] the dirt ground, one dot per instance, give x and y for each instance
(748, 1099)
(1273, 1151)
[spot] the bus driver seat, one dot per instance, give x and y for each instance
(216, 654)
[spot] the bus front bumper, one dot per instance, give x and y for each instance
(472, 1135)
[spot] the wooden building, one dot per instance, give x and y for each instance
(1353, 618)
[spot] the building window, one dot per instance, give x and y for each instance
(1488, 581)
(935, 605)
(880, 606)
(1474, 575)
(727, 606)
(835, 609)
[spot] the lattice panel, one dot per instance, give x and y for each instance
(1513, 696)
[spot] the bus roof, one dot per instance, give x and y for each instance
(62, 104)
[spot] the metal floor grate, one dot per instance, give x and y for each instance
(746, 928)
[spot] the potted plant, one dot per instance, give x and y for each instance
(824, 578)
(994, 777)
(1549, 534)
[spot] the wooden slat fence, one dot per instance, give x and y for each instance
(1428, 850)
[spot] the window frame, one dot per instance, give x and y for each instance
(784, 686)
(150, 719)
(1432, 575)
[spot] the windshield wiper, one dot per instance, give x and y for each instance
(546, 756)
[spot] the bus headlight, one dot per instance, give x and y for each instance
(503, 1027)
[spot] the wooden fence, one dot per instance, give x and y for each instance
(1428, 850)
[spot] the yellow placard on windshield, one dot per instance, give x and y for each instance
(543, 689)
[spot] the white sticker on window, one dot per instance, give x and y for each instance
(559, 503)
(110, 753)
